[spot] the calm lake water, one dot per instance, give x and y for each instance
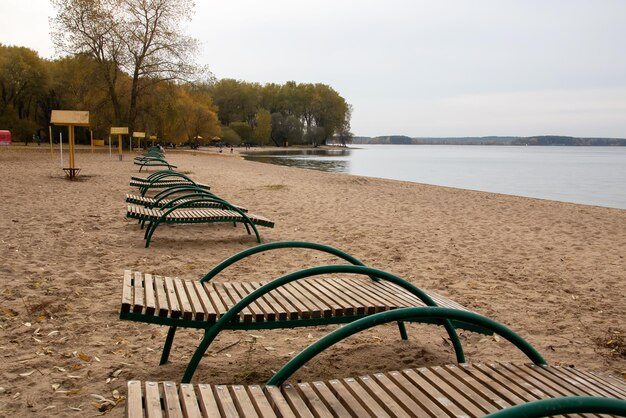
(588, 175)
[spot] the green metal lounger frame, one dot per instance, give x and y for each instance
(185, 210)
(169, 196)
(318, 301)
(499, 390)
(153, 162)
(164, 179)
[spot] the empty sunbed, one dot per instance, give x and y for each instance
(187, 212)
(164, 179)
(461, 390)
(286, 302)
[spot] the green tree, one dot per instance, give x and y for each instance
(23, 89)
(263, 131)
(243, 130)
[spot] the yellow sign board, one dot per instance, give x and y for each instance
(70, 117)
(119, 130)
(139, 134)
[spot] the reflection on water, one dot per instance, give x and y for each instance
(336, 160)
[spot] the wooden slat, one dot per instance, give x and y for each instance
(216, 300)
(225, 402)
(161, 295)
(309, 309)
(316, 298)
(134, 405)
(188, 401)
(127, 291)
(497, 385)
(171, 402)
(403, 400)
(384, 399)
(207, 401)
(148, 284)
(487, 398)
(138, 293)
(372, 291)
(329, 399)
(278, 402)
(302, 312)
(185, 304)
(397, 296)
(347, 399)
(225, 299)
(196, 305)
(455, 394)
(365, 398)
(521, 393)
(330, 300)
(296, 402)
(243, 402)
(404, 297)
(267, 312)
(152, 400)
(208, 307)
(419, 395)
(359, 307)
(374, 305)
(172, 300)
(587, 381)
(348, 309)
(281, 307)
(313, 401)
(260, 401)
(251, 311)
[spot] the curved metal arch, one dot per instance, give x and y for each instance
(160, 175)
(279, 245)
(195, 193)
(153, 224)
(159, 172)
(403, 314)
(146, 163)
(564, 405)
(211, 333)
(181, 188)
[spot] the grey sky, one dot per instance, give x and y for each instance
(419, 68)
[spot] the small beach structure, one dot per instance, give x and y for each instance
(71, 119)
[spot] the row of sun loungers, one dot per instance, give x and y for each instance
(171, 197)
(349, 293)
(310, 297)
(152, 158)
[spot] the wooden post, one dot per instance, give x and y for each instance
(70, 118)
(119, 131)
(50, 136)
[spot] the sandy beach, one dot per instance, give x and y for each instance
(553, 272)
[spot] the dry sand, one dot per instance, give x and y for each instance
(552, 271)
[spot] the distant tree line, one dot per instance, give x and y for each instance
(493, 140)
(128, 64)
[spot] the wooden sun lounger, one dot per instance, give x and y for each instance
(164, 179)
(443, 391)
(153, 162)
(464, 390)
(151, 202)
(184, 213)
(287, 302)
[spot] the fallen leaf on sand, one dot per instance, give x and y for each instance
(27, 373)
(84, 357)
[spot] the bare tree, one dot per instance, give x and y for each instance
(142, 38)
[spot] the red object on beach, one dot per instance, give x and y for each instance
(5, 137)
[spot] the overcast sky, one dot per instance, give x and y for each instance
(414, 67)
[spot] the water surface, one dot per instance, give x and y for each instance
(588, 175)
